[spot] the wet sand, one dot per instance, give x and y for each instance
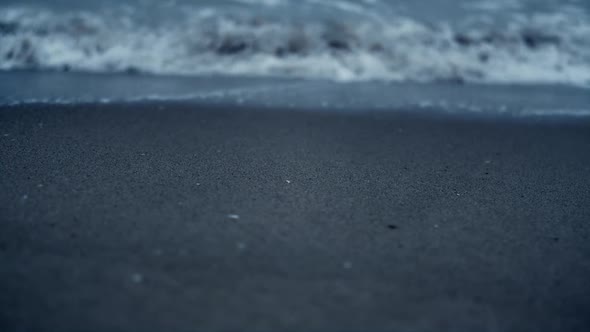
(177, 217)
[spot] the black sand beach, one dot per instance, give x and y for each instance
(179, 217)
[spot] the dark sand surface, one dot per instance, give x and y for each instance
(115, 218)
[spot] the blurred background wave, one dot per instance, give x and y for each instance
(462, 41)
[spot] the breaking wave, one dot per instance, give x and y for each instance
(535, 48)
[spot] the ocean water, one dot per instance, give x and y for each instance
(218, 47)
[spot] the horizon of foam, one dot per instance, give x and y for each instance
(540, 48)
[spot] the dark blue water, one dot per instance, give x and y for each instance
(273, 50)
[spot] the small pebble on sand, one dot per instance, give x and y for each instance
(137, 278)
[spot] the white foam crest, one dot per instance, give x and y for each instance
(493, 5)
(548, 48)
(263, 2)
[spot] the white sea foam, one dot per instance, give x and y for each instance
(530, 48)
